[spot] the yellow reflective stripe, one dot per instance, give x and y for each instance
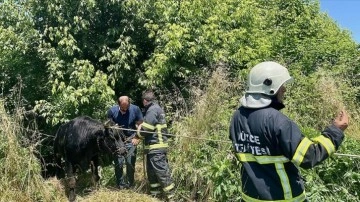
(261, 159)
(280, 169)
(155, 185)
(139, 134)
(148, 126)
(170, 187)
(161, 126)
(301, 151)
(299, 198)
(158, 128)
(279, 165)
(325, 142)
(157, 146)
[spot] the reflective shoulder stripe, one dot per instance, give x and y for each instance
(299, 198)
(301, 151)
(148, 126)
(326, 142)
(157, 146)
(261, 159)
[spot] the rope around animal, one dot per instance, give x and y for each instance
(222, 141)
(183, 136)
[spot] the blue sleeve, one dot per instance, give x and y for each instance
(110, 114)
(138, 114)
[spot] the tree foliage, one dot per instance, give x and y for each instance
(89, 53)
(19, 65)
(75, 57)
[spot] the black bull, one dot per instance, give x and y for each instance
(80, 142)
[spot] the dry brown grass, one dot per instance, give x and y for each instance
(105, 195)
(332, 103)
(108, 193)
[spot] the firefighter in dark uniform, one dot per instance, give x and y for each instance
(269, 145)
(153, 131)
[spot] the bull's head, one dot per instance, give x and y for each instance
(113, 141)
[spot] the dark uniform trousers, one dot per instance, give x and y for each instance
(159, 173)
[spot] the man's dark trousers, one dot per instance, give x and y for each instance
(129, 160)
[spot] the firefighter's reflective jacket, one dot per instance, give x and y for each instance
(155, 123)
(271, 147)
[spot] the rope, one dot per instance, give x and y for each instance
(222, 141)
(348, 155)
(172, 135)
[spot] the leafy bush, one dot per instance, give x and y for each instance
(336, 179)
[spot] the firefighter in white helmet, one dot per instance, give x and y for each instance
(269, 145)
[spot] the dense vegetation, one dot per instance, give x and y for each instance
(60, 59)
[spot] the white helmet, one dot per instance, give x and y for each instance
(267, 77)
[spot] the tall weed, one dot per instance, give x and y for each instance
(203, 170)
(315, 100)
(20, 170)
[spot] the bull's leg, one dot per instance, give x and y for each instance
(70, 173)
(59, 171)
(95, 171)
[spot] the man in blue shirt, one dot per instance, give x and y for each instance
(127, 116)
